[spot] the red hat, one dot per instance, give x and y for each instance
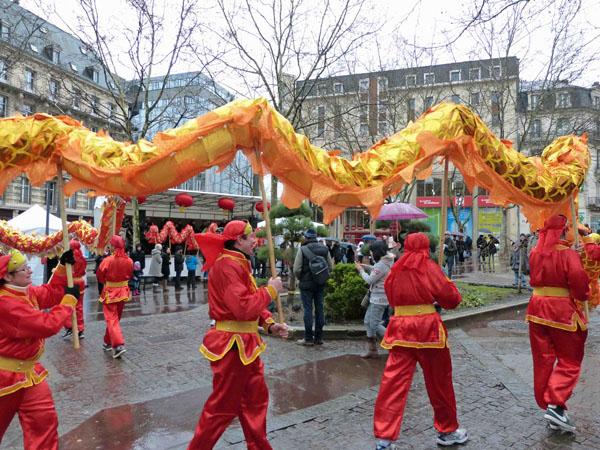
(550, 234)
(211, 244)
(416, 253)
(119, 244)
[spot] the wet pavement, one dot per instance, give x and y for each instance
(320, 397)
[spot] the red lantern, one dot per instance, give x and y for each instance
(141, 199)
(226, 204)
(184, 201)
(260, 208)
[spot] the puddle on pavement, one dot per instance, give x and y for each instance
(148, 303)
(169, 421)
(506, 324)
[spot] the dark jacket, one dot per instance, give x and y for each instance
(166, 261)
(138, 256)
(336, 253)
(178, 262)
(301, 269)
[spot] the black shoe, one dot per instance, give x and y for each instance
(318, 342)
(117, 352)
(558, 416)
(68, 334)
(81, 335)
(106, 347)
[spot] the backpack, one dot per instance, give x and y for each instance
(319, 269)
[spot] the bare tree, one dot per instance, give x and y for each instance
(280, 49)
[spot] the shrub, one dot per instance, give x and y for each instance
(344, 292)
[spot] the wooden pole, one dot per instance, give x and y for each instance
(269, 236)
(574, 219)
(113, 224)
(69, 269)
(444, 218)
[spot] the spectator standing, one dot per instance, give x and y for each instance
(139, 256)
(166, 267)
(99, 259)
(137, 277)
(350, 255)
(336, 253)
(517, 258)
(178, 268)
(191, 262)
(156, 266)
(449, 252)
(375, 276)
(311, 292)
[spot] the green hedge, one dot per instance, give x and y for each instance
(344, 292)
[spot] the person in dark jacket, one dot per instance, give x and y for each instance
(138, 255)
(178, 268)
(336, 253)
(166, 269)
(311, 292)
(350, 256)
(99, 259)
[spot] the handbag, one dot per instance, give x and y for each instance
(366, 299)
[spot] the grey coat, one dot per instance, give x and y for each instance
(156, 263)
(375, 278)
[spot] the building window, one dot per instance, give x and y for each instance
(29, 80)
(454, 76)
(431, 187)
(536, 129)
(3, 71)
(456, 99)
(52, 53)
(92, 74)
(428, 102)
(91, 202)
(596, 102)
(382, 127)
(475, 73)
(363, 129)
(3, 106)
(111, 111)
(43, 29)
(363, 85)
(94, 105)
(33, 48)
(412, 107)
(321, 121)
(73, 67)
(497, 71)
(495, 109)
(337, 121)
(562, 100)
(25, 187)
(563, 126)
(53, 87)
(322, 89)
(338, 88)
(51, 193)
(429, 78)
(411, 80)
(76, 99)
(27, 110)
(4, 30)
(382, 84)
(533, 100)
(72, 201)
(475, 99)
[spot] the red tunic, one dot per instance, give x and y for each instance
(23, 327)
(409, 287)
(563, 269)
(115, 270)
(233, 295)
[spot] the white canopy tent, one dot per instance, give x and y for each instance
(34, 221)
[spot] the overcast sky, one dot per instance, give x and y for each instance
(421, 24)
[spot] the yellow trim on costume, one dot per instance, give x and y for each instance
(20, 366)
(414, 310)
(116, 284)
(575, 321)
(115, 300)
(237, 339)
(31, 378)
(267, 323)
(237, 326)
(272, 292)
(22, 295)
(443, 342)
(551, 291)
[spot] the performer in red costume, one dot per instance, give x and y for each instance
(557, 329)
(114, 272)
(416, 333)
(79, 269)
(233, 344)
(23, 329)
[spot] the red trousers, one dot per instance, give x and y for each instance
(37, 415)
(554, 384)
(112, 315)
(79, 314)
(395, 384)
(238, 391)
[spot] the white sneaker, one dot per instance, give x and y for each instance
(458, 436)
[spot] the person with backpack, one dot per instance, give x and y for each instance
(312, 267)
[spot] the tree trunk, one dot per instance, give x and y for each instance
(274, 197)
(135, 221)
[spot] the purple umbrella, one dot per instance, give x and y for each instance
(400, 211)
